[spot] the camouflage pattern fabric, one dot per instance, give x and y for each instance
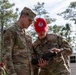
(17, 49)
(28, 12)
(59, 65)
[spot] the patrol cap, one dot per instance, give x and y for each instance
(29, 13)
(40, 24)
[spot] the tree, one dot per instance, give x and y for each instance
(64, 31)
(55, 29)
(41, 12)
(7, 16)
(70, 13)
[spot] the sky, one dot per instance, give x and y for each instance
(52, 6)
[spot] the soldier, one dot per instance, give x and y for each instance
(59, 65)
(17, 45)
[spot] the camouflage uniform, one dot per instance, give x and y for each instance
(17, 47)
(59, 65)
(17, 51)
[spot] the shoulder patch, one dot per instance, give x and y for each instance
(6, 39)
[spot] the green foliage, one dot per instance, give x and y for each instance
(39, 8)
(70, 12)
(64, 31)
(73, 5)
(7, 15)
(41, 12)
(55, 29)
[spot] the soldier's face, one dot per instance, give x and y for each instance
(26, 22)
(41, 34)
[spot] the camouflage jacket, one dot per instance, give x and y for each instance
(59, 65)
(17, 49)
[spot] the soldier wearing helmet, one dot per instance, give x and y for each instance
(59, 65)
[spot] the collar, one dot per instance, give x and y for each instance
(18, 28)
(43, 41)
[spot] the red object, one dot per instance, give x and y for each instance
(2, 64)
(40, 24)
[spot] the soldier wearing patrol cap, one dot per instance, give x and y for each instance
(59, 65)
(17, 45)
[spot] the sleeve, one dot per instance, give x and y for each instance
(8, 43)
(64, 45)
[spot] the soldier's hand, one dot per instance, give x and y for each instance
(41, 62)
(55, 50)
